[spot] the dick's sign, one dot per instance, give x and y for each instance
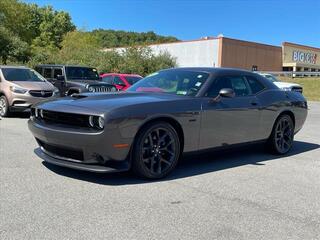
(298, 56)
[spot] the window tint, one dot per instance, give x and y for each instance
(56, 72)
(118, 81)
(179, 82)
(22, 74)
(47, 73)
(236, 83)
(132, 80)
(254, 84)
(82, 73)
(239, 86)
(108, 79)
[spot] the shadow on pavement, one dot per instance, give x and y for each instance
(195, 164)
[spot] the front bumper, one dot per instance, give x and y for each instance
(22, 102)
(81, 149)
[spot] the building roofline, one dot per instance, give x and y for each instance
(251, 42)
(300, 46)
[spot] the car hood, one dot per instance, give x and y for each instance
(286, 84)
(96, 103)
(88, 82)
(34, 85)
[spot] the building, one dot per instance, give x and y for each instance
(227, 52)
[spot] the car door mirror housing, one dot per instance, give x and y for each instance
(227, 92)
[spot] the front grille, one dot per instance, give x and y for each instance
(101, 88)
(39, 93)
(297, 89)
(70, 119)
(62, 151)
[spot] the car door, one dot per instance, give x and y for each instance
(226, 121)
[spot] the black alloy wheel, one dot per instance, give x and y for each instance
(156, 151)
(282, 135)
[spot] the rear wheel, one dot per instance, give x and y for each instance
(4, 106)
(281, 139)
(156, 151)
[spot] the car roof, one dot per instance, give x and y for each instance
(11, 66)
(210, 69)
(121, 74)
(61, 65)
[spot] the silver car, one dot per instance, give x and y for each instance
(21, 87)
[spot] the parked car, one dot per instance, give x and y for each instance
(20, 87)
(74, 79)
(120, 80)
(286, 86)
(168, 113)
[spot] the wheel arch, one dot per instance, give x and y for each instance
(170, 120)
(73, 90)
(289, 113)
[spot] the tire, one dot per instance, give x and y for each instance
(4, 107)
(281, 138)
(156, 151)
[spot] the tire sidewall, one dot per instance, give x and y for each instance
(137, 164)
(6, 112)
(273, 140)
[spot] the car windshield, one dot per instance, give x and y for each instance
(82, 73)
(133, 79)
(22, 74)
(271, 78)
(179, 82)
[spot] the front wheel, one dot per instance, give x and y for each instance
(156, 151)
(281, 138)
(4, 107)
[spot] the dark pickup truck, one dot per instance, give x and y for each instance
(74, 79)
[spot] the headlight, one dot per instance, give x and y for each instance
(96, 122)
(101, 122)
(18, 89)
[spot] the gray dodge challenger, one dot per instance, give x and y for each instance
(168, 113)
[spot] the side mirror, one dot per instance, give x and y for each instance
(226, 92)
(60, 78)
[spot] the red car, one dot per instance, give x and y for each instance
(120, 80)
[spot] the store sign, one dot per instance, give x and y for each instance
(298, 56)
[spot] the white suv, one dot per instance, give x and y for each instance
(286, 86)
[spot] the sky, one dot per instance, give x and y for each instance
(264, 21)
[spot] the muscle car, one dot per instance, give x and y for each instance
(168, 113)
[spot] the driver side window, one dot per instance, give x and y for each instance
(237, 83)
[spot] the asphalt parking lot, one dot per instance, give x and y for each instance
(241, 194)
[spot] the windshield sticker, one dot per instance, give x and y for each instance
(94, 70)
(198, 84)
(182, 92)
(199, 76)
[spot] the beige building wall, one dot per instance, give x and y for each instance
(242, 54)
(299, 56)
